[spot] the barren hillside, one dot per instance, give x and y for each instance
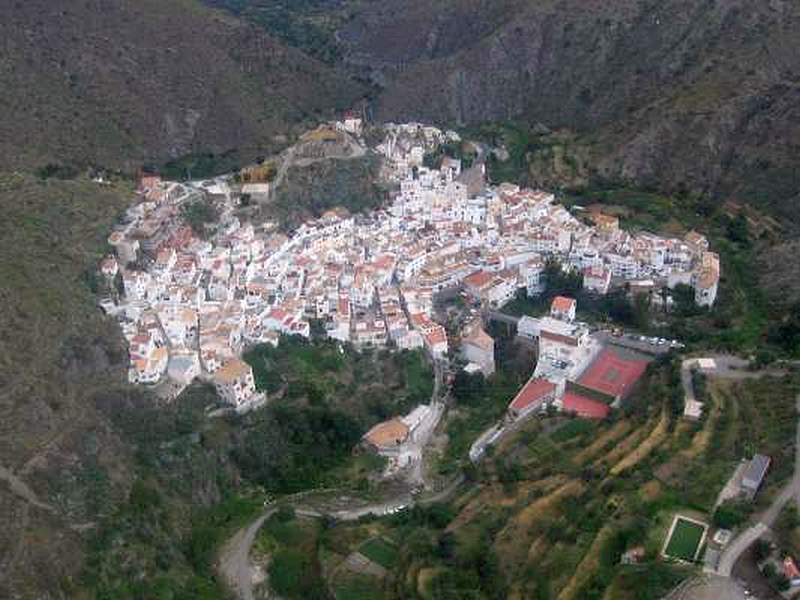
(118, 83)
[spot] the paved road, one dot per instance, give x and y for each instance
(708, 587)
(632, 342)
(743, 541)
(235, 563)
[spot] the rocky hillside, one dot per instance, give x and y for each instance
(697, 94)
(118, 83)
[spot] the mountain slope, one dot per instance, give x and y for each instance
(691, 94)
(117, 83)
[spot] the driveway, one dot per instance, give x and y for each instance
(708, 587)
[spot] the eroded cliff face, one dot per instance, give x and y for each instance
(695, 94)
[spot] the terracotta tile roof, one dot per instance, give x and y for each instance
(232, 370)
(478, 279)
(562, 304)
(436, 336)
(532, 392)
(478, 337)
(388, 433)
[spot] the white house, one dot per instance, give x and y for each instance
(563, 308)
(597, 279)
(234, 382)
(477, 347)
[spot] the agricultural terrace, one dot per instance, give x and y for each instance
(379, 551)
(554, 507)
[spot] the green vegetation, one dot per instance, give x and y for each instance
(554, 507)
(380, 551)
(200, 165)
(571, 429)
(616, 306)
(457, 150)
(286, 448)
(732, 513)
(200, 215)
(523, 152)
(325, 397)
(685, 540)
(479, 403)
(309, 191)
(756, 416)
(740, 320)
(292, 544)
(369, 386)
(56, 351)
(306, 24)
(186, 499)
(358, 587)
(202, 478)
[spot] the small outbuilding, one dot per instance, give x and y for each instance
(754, 475)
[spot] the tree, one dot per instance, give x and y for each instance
(199, 214)
(761, 549)
(683, 296)
(119, 284)
(469, 388)
(559, 282)
(731, 513)
(737, 230)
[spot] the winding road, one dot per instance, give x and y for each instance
(237, 569)
(234, 563)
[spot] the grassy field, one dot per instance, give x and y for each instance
(358, 587)
(379, 551)
(685, 540)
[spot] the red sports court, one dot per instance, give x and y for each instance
(584, 407)
(613, 375)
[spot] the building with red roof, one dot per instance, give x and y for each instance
(791, 571)
(535, 395)
(563, 308)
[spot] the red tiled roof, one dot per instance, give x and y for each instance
(556, 337)
(562, 304)
(532, 392)
(790, 568)
(585, 407)
(478, 279)
(436, 336)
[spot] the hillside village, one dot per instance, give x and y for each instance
(189, 306)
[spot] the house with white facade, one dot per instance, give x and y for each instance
(477, 347)
(234, 382)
